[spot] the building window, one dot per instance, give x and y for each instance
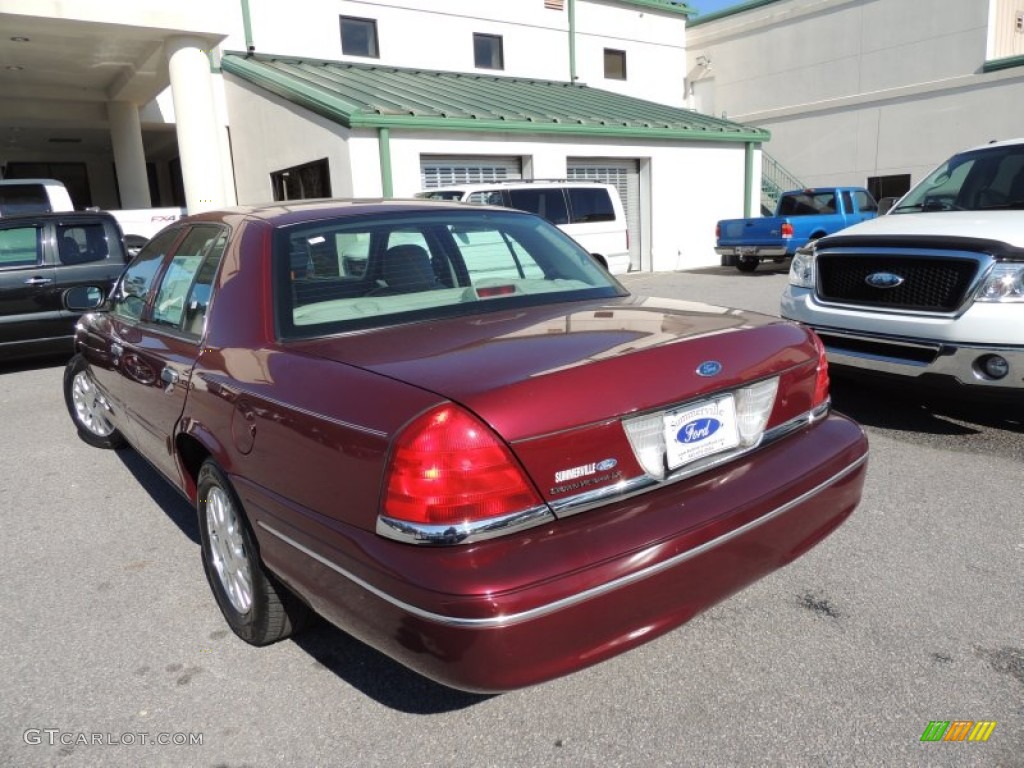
(487, 52)
(302, 182)
(614, 64)
(359, 37)
(896, 185)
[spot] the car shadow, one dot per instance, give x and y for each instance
(767, 269)
(364, 668)
(33, 363)
(902, 408)
(177, 508)
(381, 678)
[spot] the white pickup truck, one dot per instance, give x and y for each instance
(934, 290)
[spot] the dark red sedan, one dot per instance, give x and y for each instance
(449, 431)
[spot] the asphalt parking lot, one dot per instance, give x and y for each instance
(911, 612)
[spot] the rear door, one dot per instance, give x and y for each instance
(29, 299)
(89, 252)
(158, 352)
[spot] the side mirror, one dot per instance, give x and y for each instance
(83, 298)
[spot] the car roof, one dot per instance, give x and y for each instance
(994, 144)
(295, 211)
(44, 182)
(477, 186)
(57, 216)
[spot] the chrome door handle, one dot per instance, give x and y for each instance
(39, 281)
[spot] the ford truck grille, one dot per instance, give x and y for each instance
(927, 284)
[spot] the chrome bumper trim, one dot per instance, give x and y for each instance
(759, 251)
(463, 533)
(587, 594)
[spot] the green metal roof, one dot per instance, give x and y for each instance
(363, 96)
(672, 6)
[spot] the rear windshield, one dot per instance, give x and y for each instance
(361, 272)
(441, 194)
(807, 203)
(23, 198)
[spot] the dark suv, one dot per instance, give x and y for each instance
(41, 257)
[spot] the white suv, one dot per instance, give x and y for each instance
(589, 212)
(934, 290)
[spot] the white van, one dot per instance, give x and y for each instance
(589, 212)
(33, 196)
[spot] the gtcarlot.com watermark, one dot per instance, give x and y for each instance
(56, 737)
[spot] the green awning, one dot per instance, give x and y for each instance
(363, 96)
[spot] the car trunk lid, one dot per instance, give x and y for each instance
(556, 382)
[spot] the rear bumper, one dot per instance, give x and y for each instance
(526, 608)
(752, 251)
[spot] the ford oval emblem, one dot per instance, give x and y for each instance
(604, 466)
(697, 430)
(883, 280)
(709, 368)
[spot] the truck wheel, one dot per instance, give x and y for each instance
(747, 264)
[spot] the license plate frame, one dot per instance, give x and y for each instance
(700, 429)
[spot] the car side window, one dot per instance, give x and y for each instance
(20, 247)
(865, 202)
(488, 197)
(590, 204)
(82, 243)
(547, 203)
(130, 297)
(184, 293)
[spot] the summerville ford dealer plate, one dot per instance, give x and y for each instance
(700, 430)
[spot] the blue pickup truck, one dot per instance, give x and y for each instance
(802, 215)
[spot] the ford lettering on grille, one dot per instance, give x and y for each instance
(695, 431)
(709, 368)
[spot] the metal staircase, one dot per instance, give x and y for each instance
(774, 181)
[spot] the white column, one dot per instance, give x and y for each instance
(129, 154)
(195, 114)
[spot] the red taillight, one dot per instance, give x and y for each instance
(718, 231)
(787, 229)
(448, 468)
(821, 382)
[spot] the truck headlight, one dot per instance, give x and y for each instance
(801, 269)
(1004, 283)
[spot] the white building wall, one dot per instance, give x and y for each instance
(852, 89)
(654, 45)
(689, 185)
(269, 134)
(439, 35)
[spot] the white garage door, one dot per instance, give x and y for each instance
(624, 175)
(445, 171)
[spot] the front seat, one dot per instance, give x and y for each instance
(406, 269)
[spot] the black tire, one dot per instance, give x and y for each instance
(257, 607)
(747, 264)
(87, 407)
(600, 260)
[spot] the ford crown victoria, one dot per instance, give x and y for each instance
(446, 429)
